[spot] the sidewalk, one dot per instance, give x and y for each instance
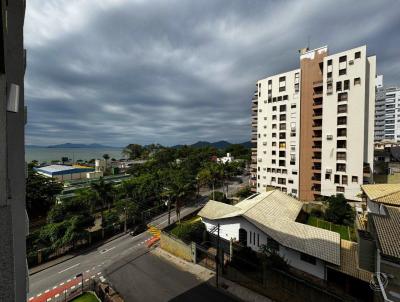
(239, 292)
(48, 264)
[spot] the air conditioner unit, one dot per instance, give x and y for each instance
(329, 137)
(351, 62)
(328, 170)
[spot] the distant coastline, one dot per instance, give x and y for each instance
(75, 146)
(46, 154)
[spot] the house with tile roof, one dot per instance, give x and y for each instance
(269, 218)
(379, 237)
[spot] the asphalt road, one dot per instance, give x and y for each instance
(96, 261)
(142, 276)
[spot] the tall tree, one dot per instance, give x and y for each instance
(339, 211)
(40, 193)
(104, 192)
(133, 151)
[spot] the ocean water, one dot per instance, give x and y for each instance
(48, 154)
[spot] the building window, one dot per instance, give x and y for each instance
(293, 106)
(328, 176)
(273, 134)
(273, 126)
(282, 135)
(357, 55)
(344, 179)
(250, 236)
(346, 85)
(282, 117)
(354, 179)
(308, 258)
(337, 179)
(357, 81)
(273, 161)
(258, 239)
(341, 132)
(282, 126)
(273, 152)
(282, 145)
(282, 108)
(282, 181)
(342, 71)
(329, 62)
(274, 117)
(341, 167)
(290, 181)
(273, 179)
(282, 163)
(341, 155)
(338, 86)
(341, 144)
(340, 189)
(342, 59)
(285, 97)
(342, 120)
(273, 108)
(342, 108)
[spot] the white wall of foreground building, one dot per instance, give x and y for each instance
(229, 229)
(358, 128)
(273, 104)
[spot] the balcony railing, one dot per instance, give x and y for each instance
(317, 83)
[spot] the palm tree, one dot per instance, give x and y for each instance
(89, 197)
(104, 193)
(211, 174)
(181, 185)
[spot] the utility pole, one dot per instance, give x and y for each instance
(217, 260)
(126, 215)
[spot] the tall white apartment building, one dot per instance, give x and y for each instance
(315, 125)
(387, 112)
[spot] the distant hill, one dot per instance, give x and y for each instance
(218, 145)
(88, 146)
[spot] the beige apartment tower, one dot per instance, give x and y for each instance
(313, 127)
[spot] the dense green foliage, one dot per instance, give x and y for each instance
(40, 193)
(191, 230)
(245, 192)
(166, 180)
(339, 211)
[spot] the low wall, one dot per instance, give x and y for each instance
(178, 247)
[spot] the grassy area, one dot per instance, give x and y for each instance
(343, 230)
(86, 297)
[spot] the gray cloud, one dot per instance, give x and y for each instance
(119, 71)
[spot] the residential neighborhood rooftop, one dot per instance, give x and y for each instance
(383, 193)
(274, 213)
(388, 231)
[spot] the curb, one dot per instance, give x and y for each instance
(77, 254)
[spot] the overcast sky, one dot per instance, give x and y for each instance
(122, 71)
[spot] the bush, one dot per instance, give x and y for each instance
(245, 192)
(189, 231)
(218, 196)
(339, 211)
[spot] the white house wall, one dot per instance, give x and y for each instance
(229, 229)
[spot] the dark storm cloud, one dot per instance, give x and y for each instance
(117, 71)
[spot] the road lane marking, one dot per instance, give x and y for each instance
(107, 250)
(75, 265)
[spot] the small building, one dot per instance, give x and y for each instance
(226, 159)
(269, 218)
(62, 172)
